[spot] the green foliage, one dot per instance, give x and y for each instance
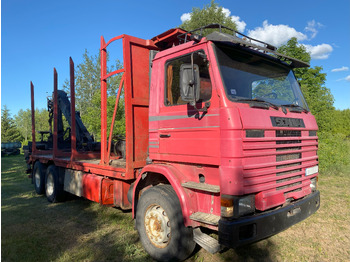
(93, 116)
(210, 14)
(341, 122)
(88, 94)
(23, 121)
(294, 49)
(334, 151)
(9, 131)
(334, 125)
(42, 120)
(312, 82)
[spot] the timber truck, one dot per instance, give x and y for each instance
(220, 147)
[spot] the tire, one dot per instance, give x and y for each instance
(159, 222)
(53, 188)
(39, 177)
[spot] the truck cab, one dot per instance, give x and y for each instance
(229, 124)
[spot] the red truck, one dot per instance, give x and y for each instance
(217, 136)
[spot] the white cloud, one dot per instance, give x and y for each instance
(236, 19)
(240, 24)
(319, 51)
(341, 69)
(345, 79)
(185, 17)
(226, 11)
(312, 27)
(275, 34)
(278, 35)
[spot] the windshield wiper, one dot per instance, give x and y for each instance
(302, 109)
(258, 100)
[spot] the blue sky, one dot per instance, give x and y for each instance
(41, 34)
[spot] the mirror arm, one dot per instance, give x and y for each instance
(204, 109)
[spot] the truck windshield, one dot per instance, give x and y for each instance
(251, 77)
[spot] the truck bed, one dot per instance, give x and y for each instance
(115, 169)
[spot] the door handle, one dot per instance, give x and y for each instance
(165, 135)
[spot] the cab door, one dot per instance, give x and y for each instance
(186, 134)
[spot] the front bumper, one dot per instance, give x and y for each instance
(234, 233)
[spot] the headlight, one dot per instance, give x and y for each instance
(233, 206)
(246, 205)
(313, 184)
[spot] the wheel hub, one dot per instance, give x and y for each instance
(157, 226)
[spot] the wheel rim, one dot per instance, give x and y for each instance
(49, 185)
(37, 178)
(157, 226)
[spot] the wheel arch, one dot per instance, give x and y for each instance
(156, 174)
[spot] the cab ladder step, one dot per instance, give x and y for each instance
(205, 241)
(206, 218)
(202, 186)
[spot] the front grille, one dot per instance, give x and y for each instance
(288, 148)
(287, 157)
(287, 186)
(288, 179)
(276, 163)
(283, 142)
(288, 172)
(288, 133)
(288, 165)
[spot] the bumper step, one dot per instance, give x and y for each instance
(205, 218)
(202, 187)
(205, 241)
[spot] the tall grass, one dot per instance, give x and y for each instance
(333, 152)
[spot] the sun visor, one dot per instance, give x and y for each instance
(255, 45)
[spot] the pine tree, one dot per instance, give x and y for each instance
(9, 131)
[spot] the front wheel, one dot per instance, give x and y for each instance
(160, 224)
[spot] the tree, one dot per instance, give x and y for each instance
(88, 95)
(23, 122)
(210, 14)
(95, 126)
(312, 82)
(42, 120)
(9, 131)
(341, 119)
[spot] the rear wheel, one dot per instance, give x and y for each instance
(53, 188)
(39, 177)
(160, 224)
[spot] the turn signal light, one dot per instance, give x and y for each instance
(227, 209)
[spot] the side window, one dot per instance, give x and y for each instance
(172, 82)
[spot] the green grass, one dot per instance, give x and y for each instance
(77, 230)
(32, 229)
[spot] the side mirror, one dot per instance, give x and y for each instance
(189, 83)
